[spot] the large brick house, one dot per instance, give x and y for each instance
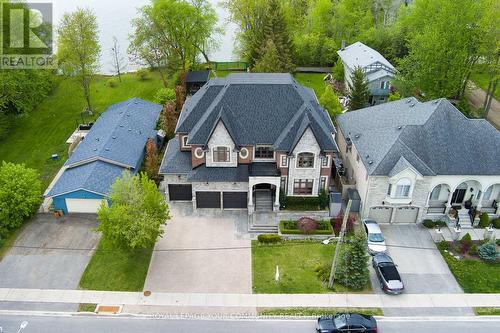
(242, 139)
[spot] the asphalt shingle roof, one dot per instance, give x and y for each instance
(197, 76)
(114, 143)
(175, 160)
(433, 137)
(204, 174)
(255, 108)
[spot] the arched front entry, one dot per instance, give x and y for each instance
(468, 190)
(438, 199)
(490, 199)
(264, 196)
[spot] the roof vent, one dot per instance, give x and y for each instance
(106, 149)
(95, 149)
(121, 125)
(140, 132)
(370, 162)
(114, 137)
(408, 100)
(412, 105)
(367, 156)
(357, 136)
(129, 129)
(96, 139)
(400, 127)
(436, 101)
(128, 114)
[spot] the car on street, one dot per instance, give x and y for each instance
(387, 273)
(374, 237)
(346, 323)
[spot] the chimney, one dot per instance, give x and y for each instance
(342, 47)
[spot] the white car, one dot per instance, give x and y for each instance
(375, 238)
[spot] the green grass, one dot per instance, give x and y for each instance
(475, 276)
(297, 261)
(312, 80)
(116, 269)
(34, 137)
(316, 312)
(482, 80)
(87, 307)
(487, 311)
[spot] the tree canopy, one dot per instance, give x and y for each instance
(137, 212)
(330, 101)
(358, 90)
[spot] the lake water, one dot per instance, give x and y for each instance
(114, 17)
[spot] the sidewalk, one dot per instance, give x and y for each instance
(251, 300)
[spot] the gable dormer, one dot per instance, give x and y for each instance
(221, 149)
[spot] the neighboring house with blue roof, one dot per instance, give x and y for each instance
(115, 143)
(411, 160)
(378, 71)
(243, 139)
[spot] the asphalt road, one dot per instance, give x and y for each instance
(43, 324)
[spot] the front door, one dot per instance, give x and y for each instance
(458, 196)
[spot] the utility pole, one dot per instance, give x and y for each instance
(339, 242)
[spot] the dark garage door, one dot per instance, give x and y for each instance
(234, 199)
(180, 192)
(207, 199)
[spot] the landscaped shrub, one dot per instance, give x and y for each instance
(444, 245)
(323, 199)
(465, 243)
(488, 252)
(440, 223)
(269, 238)
(429, 223)
(323, 272)
(291, 227)
(473, 250)
(142, 74)
(337, 223)
(290, 224)
(164, 95)
(302, 203)
(484, 220)
(496, 223)
(112, 83)
(307, 225)
(323, 225)
(353, 272)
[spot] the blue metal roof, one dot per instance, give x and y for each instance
(120, 134)
(115, 143)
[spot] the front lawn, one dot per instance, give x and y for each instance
(34, 137)
(116, 269)
(316, 312)
(474, 276)
(297, 261)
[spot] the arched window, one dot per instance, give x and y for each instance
(436, 192)
(305, 160)
(403, 187)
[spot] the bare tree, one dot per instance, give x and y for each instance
(118, 59)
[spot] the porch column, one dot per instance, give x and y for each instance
(276, 206)
(250, 198)
(448, 203)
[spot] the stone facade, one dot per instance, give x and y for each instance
(220, 137)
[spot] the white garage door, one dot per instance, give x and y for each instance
(406, 214)
(381, 214)
(83, 205)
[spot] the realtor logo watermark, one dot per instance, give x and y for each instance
(26, 35)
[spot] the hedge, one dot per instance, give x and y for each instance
(302, 203)
(269, 238)
(286, 224)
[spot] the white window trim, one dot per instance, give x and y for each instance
(244, 156)
(218, 162)
(305, 168)
(258, 159)
(303, 195)
(197, 150)
(326, 182)
(327, 159)
(401, 183)
(184, 141)
(284, 165)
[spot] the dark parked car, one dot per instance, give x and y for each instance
(346, 323)
(390, 280)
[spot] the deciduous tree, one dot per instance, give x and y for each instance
(151, 163)
(118, 60)
(78, 48)
(137, 212)
(330, 101)
(169, 120)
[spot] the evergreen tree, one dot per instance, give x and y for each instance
(275, 29)
(358, 90)
(269, 61)
(353, 270)
(330, 102)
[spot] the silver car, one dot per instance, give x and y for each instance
(375, 238)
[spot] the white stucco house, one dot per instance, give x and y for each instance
(410, 161)
(378, 71)
(243, 139)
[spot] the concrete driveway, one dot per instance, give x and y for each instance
(201, 253)
(29, 266)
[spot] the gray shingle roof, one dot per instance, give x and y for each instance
(204, 174)
(433, 137)
(358, 54)
(256, 109)
(120, 133)
(197, 76)
(175, 161)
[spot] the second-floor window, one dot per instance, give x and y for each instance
(305, 160)
(264, 153)
(403, 188)
(221, 154)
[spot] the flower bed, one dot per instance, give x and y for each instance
(306, 226)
